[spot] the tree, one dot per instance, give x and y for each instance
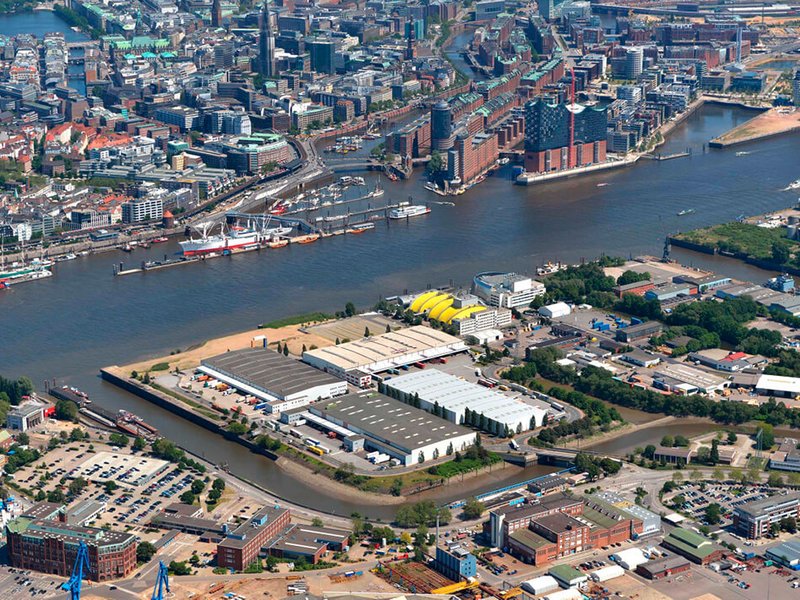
(23, 439)
(780, 253)
(56, 496)
(397, 487)
(219, 484)
(110, 486)
(197, 486)
(667, 441)
(66, 411)
(76, 486)
(767, 436)
(732, 437)
(349, 309)
(366, 332)
(139, 444)
(436, 163)
(118, 439)
(713, 513)
(286, 349)
(649, 451)
(473, 509)
(144, 552)
(714, 455)
(76, 434)
(179, 568)
(774, 480)
(187, 497)
(632, 277)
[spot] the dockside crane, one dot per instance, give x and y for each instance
(162, 582)
(73, 586)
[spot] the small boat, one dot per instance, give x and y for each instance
(604, 184)
(356, 229)
(742, 153)
(686, 211)
(794, 185)
(307, 239)
(66, 257)
(430, 186)
(277, 243)
(160, 240)
(406, 210)
(127, 248)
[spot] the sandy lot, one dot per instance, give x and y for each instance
(774, 121)
(191, 358)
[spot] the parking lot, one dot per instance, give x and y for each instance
(130, 487)
(698, 497)
(16, 583)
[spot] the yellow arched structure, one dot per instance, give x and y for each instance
(440, 307)
(421, 299)
(447, 315)
(465, 312)
(431, 302)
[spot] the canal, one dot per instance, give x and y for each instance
(67, 327)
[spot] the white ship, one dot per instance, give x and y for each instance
(406, 210)
(207, 243)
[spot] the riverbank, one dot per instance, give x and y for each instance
(748, 241)
(774, 122)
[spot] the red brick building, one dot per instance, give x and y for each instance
(41, 540)
(242, 546)
(473, 155)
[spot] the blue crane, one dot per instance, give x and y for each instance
(73, 586)
(162, 582)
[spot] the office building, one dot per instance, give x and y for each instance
(242, 546)
(442, 136)
(181, 116)
(563, 136)
(282, 382)
(42, 540)
(456, 562)
(216, 13)
(753, 519)
(142, 209)
(506, 290)
(266, 44)
(323, 55)
(547, 9)
(634, 62)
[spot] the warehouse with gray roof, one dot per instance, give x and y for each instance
(282, 382)
(408, 434)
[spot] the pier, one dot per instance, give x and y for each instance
(659, 157)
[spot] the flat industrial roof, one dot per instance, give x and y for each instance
(777, 383)
(691, 375)
(455, 395)
(388, 346)
(270, 371)
(390, 420)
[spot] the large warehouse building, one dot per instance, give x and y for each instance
(455, 396)
(356, 361)
(408, 434)
(282, 382)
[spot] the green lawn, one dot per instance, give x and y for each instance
(753, 240)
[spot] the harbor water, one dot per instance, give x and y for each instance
(67, 327)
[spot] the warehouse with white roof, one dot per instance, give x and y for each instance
(778, 386)
(382, 352)
(454, 397)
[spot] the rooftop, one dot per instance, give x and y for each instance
(385, 347)
(389, 421)
(270, 371)
(766, 505)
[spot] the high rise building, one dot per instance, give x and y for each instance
(634, 62)
(796, 88)
(411, 37)
(551, 143)
(216, 13)
(266, 44)
(323, 56)
(441, 126)
(547, 9)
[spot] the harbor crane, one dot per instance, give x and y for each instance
(73, 586)
(162, 582)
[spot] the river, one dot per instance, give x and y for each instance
(83, 318)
